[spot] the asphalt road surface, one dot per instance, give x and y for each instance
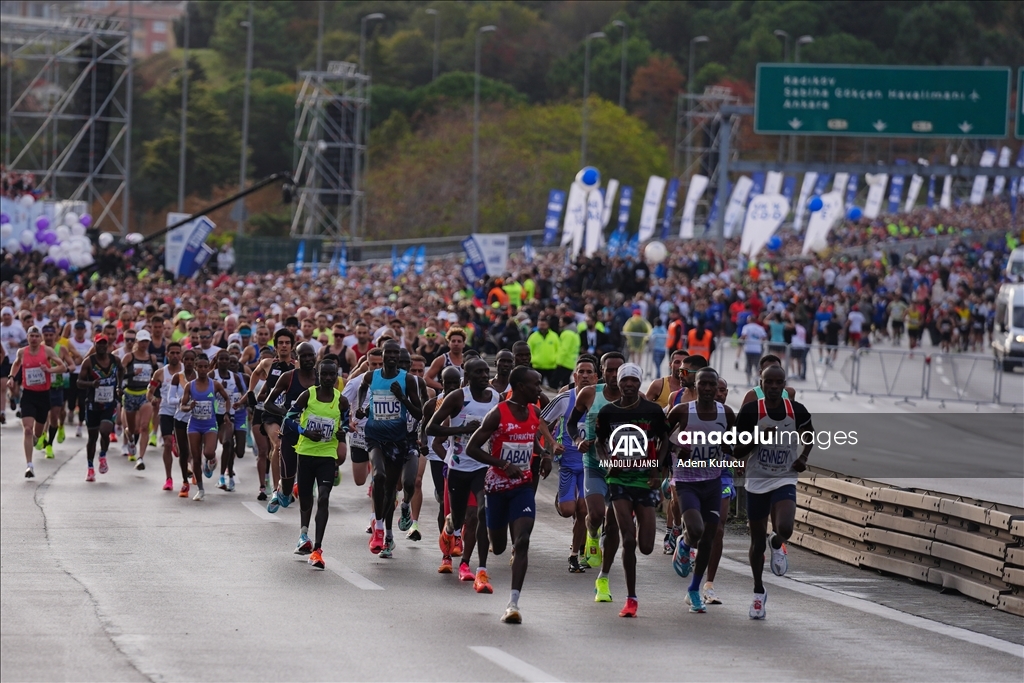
(118, 580)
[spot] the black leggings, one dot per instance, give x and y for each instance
(321, 470)
(437, 474)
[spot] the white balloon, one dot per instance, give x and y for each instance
(78, 243)
(105, 240)
(77, 230)
(70, 218)
(655, 252)
(134, 238)
(86, 260)
(27, 238)
(41, 247)
(55, 251)
(27, 200)
(6, 230)
(63, 233)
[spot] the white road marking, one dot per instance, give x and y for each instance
(527, 672)
(811, 578)
(877, 610)
(357, 580)
(261, 512)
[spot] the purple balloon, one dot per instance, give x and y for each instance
(27, 248)
(48, 261)
(49, 238)
(4, 218)
(42, 223)
(85, 219)
(63, 264)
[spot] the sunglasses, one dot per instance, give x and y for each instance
(206, 336)
(430, 336)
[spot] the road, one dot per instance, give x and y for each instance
(118, 580)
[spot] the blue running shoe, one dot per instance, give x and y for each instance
(286, 500)
(682, 559)
(405, 522)
(208, 467)
(305, 546)
(275, 503)
(694, 601)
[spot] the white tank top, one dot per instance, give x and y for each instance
(170, 396)
(179, 391)
(83, 348)
(471, 411)
(771, 467)
(700, 450)
(431, 455)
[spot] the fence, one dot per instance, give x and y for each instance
(974, 547)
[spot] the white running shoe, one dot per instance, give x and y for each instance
(711, 598)
(78, 432)
(780, 563)
(757, 610)
(200, 495)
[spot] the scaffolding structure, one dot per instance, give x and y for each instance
(330, 153)
(698, 122)
(69, 124)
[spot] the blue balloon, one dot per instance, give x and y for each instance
(854, 214)
(815, 204)
(775, 243)
(589, 177)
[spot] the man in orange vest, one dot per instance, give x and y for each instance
(701, 341)
(676, 340)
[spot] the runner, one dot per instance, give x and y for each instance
(139, 367)
(728, 495)
(418, 367)
(513, 428)
(289, 386)
(238, 422)
(269, 370)
(320, 413)
(260, 441)
(82, 345)
(757, 393)
(411, 471)
(181, 418)
(465, 410)
(166, 400)
(357, 429)
(633, 490)
(34, 366)
(662, 388)
(687, 381)
(451, 379)
(198, 401)
(456, 340)
(100, 379)
(393, 394)
(55, 418)
(503, 364)
(771, 475)
(699, 485)
(12, 336)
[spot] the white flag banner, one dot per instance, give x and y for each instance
(876, 192)
(1000, 183)
(773, 182)
(764, 216)
(652, 202)
(595, 210)
(737, 204)
(840, 182)
(988, 159)
(575, 215)
(823, 220)
(946, 200)
(609, 201)
(806, 188)
(698, 183)
(916, 182)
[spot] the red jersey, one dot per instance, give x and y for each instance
(35, 369)
(512, 442)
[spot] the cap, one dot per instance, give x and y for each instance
(142, 336)
(80, 325)
(630, 370)
(100, 338)
(7, 310)
(184, 315)
(234, 337)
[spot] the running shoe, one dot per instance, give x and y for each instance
(388, 550)
(113, 437)
(78, 432)
(305, 546)
(316, 559)
(757, 610)
(780, 563)
(200, 495)
(287, 500)
(262, 495)
(457, 546)
(140, 465)
(152, 440)
(30, 473)
(222, 483)
(512, 615)
(275, 503)
(414, 532)
(129, 447)
(668, 544)
(103, 465)
(337, 477)
(630, 609)
(208, 466)
(710, 597)
(60, 434)
(446, 542)
(49, 451)
(168, 485)
(593, 551)
(90, 475)
(295, 490)
(446, 565)
(574, 565)
(183, 492)
(41, 442)
(405, 521)
(465, 573)
(377, 541)
(683, 558)
(231, 484)
(602, 593)
(482, 583)
(693, 600)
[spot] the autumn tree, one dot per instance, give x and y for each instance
(656, 86)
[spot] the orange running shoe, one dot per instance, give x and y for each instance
(316, 559)
(183, 493)
(446, 565)
(446, 542)
(457, 547)
(482, 584)
(630, 609)
(295, 490)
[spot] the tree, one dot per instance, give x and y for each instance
(655, 89)
(271, 118)
(276, 42)
(202, 18)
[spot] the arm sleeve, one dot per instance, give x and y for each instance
(746, 419)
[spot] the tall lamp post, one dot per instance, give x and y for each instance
(364, 126)
(437, 39)
(779, 33)
(240, 227)
(689, 91)
(802, 40)
(184, 119)
(476, 126)
(376, 16)
(622, 68)
(586, 92)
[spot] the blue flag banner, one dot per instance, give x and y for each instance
(407, 258)
(633, 247)
(713, 213)
(474, 257)
(895, 193)
(334, 260)
(529, 253)
(851, 190)
(931, 192)
(299, 256)
(821, 186)
(789, 188)
(468, 274)
(394, 261)
(556, 203)
(205, 252)
(670, 206)
(758, 187)
(625, 201)
(315, 263)
(343, 262)
(420, 264)
(191, 252)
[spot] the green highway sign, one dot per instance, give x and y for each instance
(1019, 114)
(882, 101)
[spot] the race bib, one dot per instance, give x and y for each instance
(104, 394)
(386, 407)
(143, 373)
(202, 410)
(358, 440)
(774, 460)
(324, 425)
(34, 377)
(518, 454)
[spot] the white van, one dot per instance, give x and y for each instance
(1015, 265)
(1008, 333)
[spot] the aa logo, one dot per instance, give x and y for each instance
(628, 441)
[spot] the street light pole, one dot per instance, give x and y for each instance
(359, 210)
(437, 39)
(376, 16)
(586, 92)
(802, 40)
(184, 119)
(689, 91)
(240, 228)
(476, 127)
(779, 33)
(622, 69)
(320, 37)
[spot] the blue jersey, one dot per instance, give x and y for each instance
(386, 422)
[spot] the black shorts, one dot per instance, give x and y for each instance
(462, 484)
(221, 419)
(166, 425)
(897, 326)
(914, 332)
(35, 405)
(5, 368)
(314, 468)
(359, 455)
(181, 424)
(759, 505)
(94, 415)
(635, 494)
(391, 450)
(946, 336)
(56, 398)
(257, 416)
(269, 419)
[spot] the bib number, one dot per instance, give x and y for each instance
(104, 394)
(358, 440)
(202, 410)
(34, 377)
(143, 373)
(518, 454)
(386, 408)
(324, 425)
